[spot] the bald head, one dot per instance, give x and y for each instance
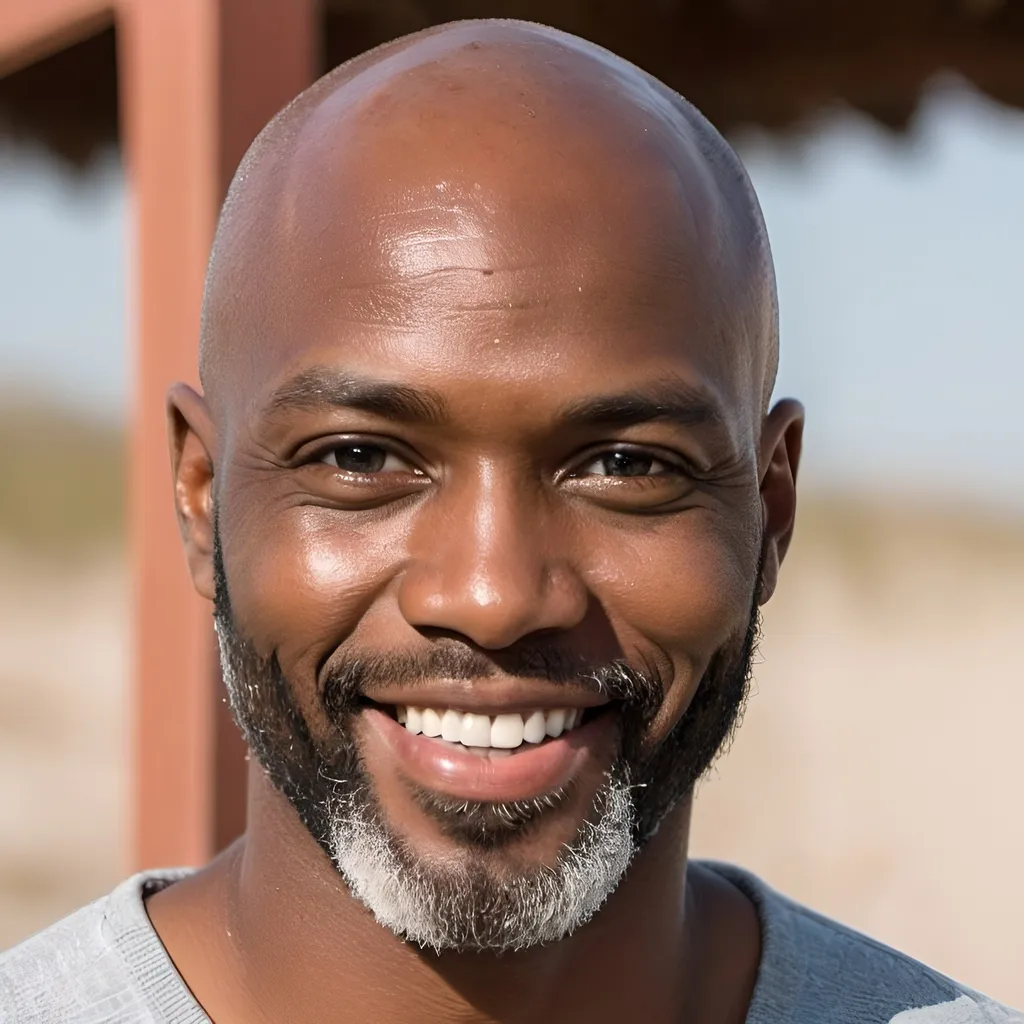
(391, 191)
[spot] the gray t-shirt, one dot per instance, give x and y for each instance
(105, 963)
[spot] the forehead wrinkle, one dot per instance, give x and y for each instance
(419, 252)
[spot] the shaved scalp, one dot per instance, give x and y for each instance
(430, 111)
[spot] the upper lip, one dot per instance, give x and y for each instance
(489, 696)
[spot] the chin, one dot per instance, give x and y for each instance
(480, 876)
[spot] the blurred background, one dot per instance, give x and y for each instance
(879, 773)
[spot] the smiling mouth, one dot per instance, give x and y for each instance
(493, 736)
(490, 752)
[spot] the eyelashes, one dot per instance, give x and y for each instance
(626, 462)
(365, 458)
(364, 472)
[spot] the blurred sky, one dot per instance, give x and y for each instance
(900, 263)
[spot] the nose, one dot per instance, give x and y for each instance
(488, 562)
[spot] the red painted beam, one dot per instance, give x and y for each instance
(33, 29)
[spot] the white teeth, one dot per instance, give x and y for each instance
(507, 731)
(451, 726)
(414, 720)
(476, 731)
(535, 728)
(431, 722)
(502, 733)
(555, 722)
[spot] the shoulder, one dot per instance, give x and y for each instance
(97, 964)
(815, 969)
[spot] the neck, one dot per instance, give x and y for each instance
(270, 932)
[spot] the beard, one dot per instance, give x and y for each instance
(479, 900)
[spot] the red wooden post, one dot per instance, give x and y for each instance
(199, 78)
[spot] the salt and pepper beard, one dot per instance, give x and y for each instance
(477, 901)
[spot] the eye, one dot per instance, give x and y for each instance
(365, 459)
(625, 463)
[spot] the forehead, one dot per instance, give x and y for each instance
(489, 317)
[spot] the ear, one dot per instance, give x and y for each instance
(192, 439)
(781, 441)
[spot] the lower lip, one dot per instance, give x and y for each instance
(530, 771)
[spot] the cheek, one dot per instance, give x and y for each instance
(683, 587)
(302, 578)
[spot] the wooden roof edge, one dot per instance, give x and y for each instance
(31, 30)
(67, 102)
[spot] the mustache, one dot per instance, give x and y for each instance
(641, 690)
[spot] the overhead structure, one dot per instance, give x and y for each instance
(182, 86)
(772, 63)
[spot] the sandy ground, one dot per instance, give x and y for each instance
(63, 783)
(878, 776)
(879, 772)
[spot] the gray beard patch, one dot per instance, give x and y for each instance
(465, 905)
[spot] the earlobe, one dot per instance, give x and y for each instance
(192, 436)
(781, 444)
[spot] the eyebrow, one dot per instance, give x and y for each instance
(321, 387)
(677, 401)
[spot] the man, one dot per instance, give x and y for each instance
(486, 490)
